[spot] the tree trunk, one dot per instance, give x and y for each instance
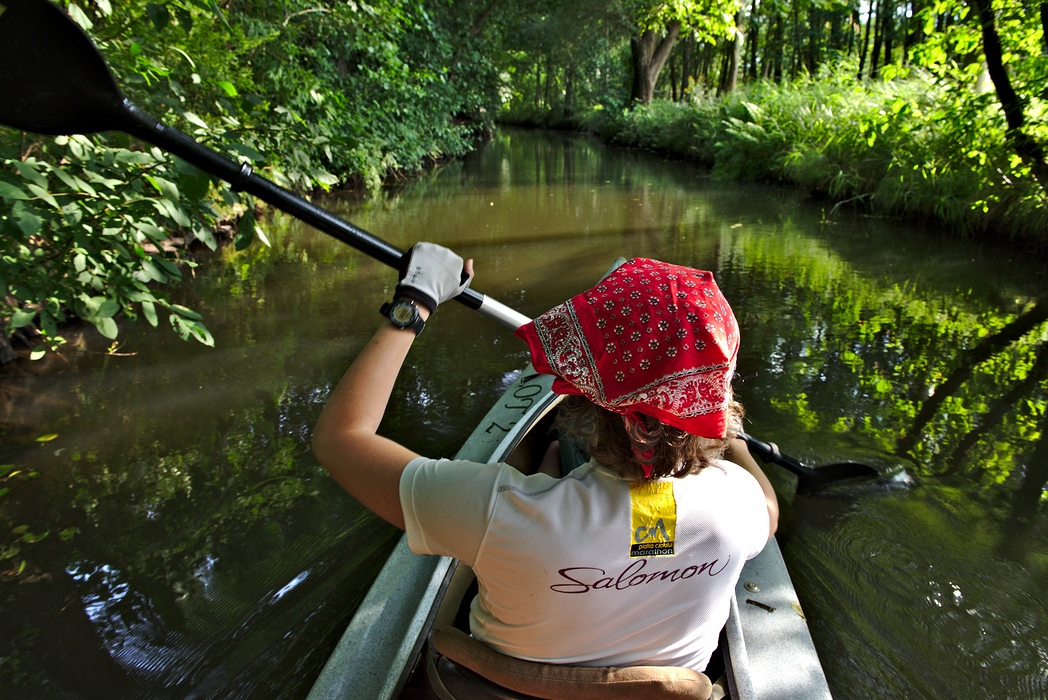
(878, 38)
(914, 27)
(866, 39)
(7, 352)
(569, 91)
(771, 49)
(1025, 145)
(548, 94)
(777, 56)
(730, 79)
(649, 52)
(687, 67)
(889, 30)
(753, 41)
(1044, 24)
(795, 58)
(538, 83)
(674, 60)
(811, 51)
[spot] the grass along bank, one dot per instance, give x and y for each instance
(905, 147)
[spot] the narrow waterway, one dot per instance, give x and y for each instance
(166, 532)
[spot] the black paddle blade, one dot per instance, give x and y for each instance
(809, 479)
(52, 79)
(813, 479)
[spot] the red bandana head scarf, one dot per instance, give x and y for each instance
(652, 338)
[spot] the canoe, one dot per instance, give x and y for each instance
(766, 645)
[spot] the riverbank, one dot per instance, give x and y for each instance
(907, 148)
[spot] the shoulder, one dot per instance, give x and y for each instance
(725, 478)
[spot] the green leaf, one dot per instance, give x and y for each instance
(245, 235)
(31, 538)
(26, 218)
(29, 171)
(187, 313)
(193, 182)
(38, 352)
(150, 231)
(9, 191)
(171, 210)
(48, 325)
(158, 15)
(246, 151)
(108, 309)
(195, 120)
(169, 267)
(107, 327)
(164, 187)
(185, 19)
(22, 317)
(228, 88)
(44, 195)
(80, 17)
(152, 272)
(204, 234)
(149, 311)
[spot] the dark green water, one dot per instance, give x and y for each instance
(194, 548)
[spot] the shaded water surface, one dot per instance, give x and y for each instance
(166, 532)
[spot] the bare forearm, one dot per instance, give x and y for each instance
(360, 398)
(346, 442)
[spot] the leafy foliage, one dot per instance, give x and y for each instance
(311, 95)
(84, 232)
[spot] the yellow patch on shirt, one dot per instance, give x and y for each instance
(654, 519)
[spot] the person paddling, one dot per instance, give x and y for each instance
(627, 559)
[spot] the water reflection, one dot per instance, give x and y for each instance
(179, 540)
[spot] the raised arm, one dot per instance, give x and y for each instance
(345, 440)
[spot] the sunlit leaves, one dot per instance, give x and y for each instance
(84, 237)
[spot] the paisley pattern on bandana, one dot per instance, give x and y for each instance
(652, 337)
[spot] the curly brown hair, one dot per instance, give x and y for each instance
(674, 452)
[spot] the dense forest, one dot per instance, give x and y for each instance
(933, 111)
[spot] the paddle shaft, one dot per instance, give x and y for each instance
(243, 178)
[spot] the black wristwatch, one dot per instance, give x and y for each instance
(403, 313)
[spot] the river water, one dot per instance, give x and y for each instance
(167, 533)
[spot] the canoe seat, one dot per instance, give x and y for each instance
(460, 667)
(470, 670)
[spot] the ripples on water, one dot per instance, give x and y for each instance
(918, 594)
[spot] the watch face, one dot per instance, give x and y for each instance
(402, 313)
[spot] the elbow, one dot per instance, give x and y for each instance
(323, 446)
(773, 517)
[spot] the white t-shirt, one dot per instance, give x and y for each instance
(586, 570)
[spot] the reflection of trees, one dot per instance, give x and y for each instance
(984, 350)
(996, 414)
(863, 362)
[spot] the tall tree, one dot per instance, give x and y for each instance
(655, 26)
(650, 51)
(1024, 144)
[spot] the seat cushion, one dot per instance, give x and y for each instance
(554, 681)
